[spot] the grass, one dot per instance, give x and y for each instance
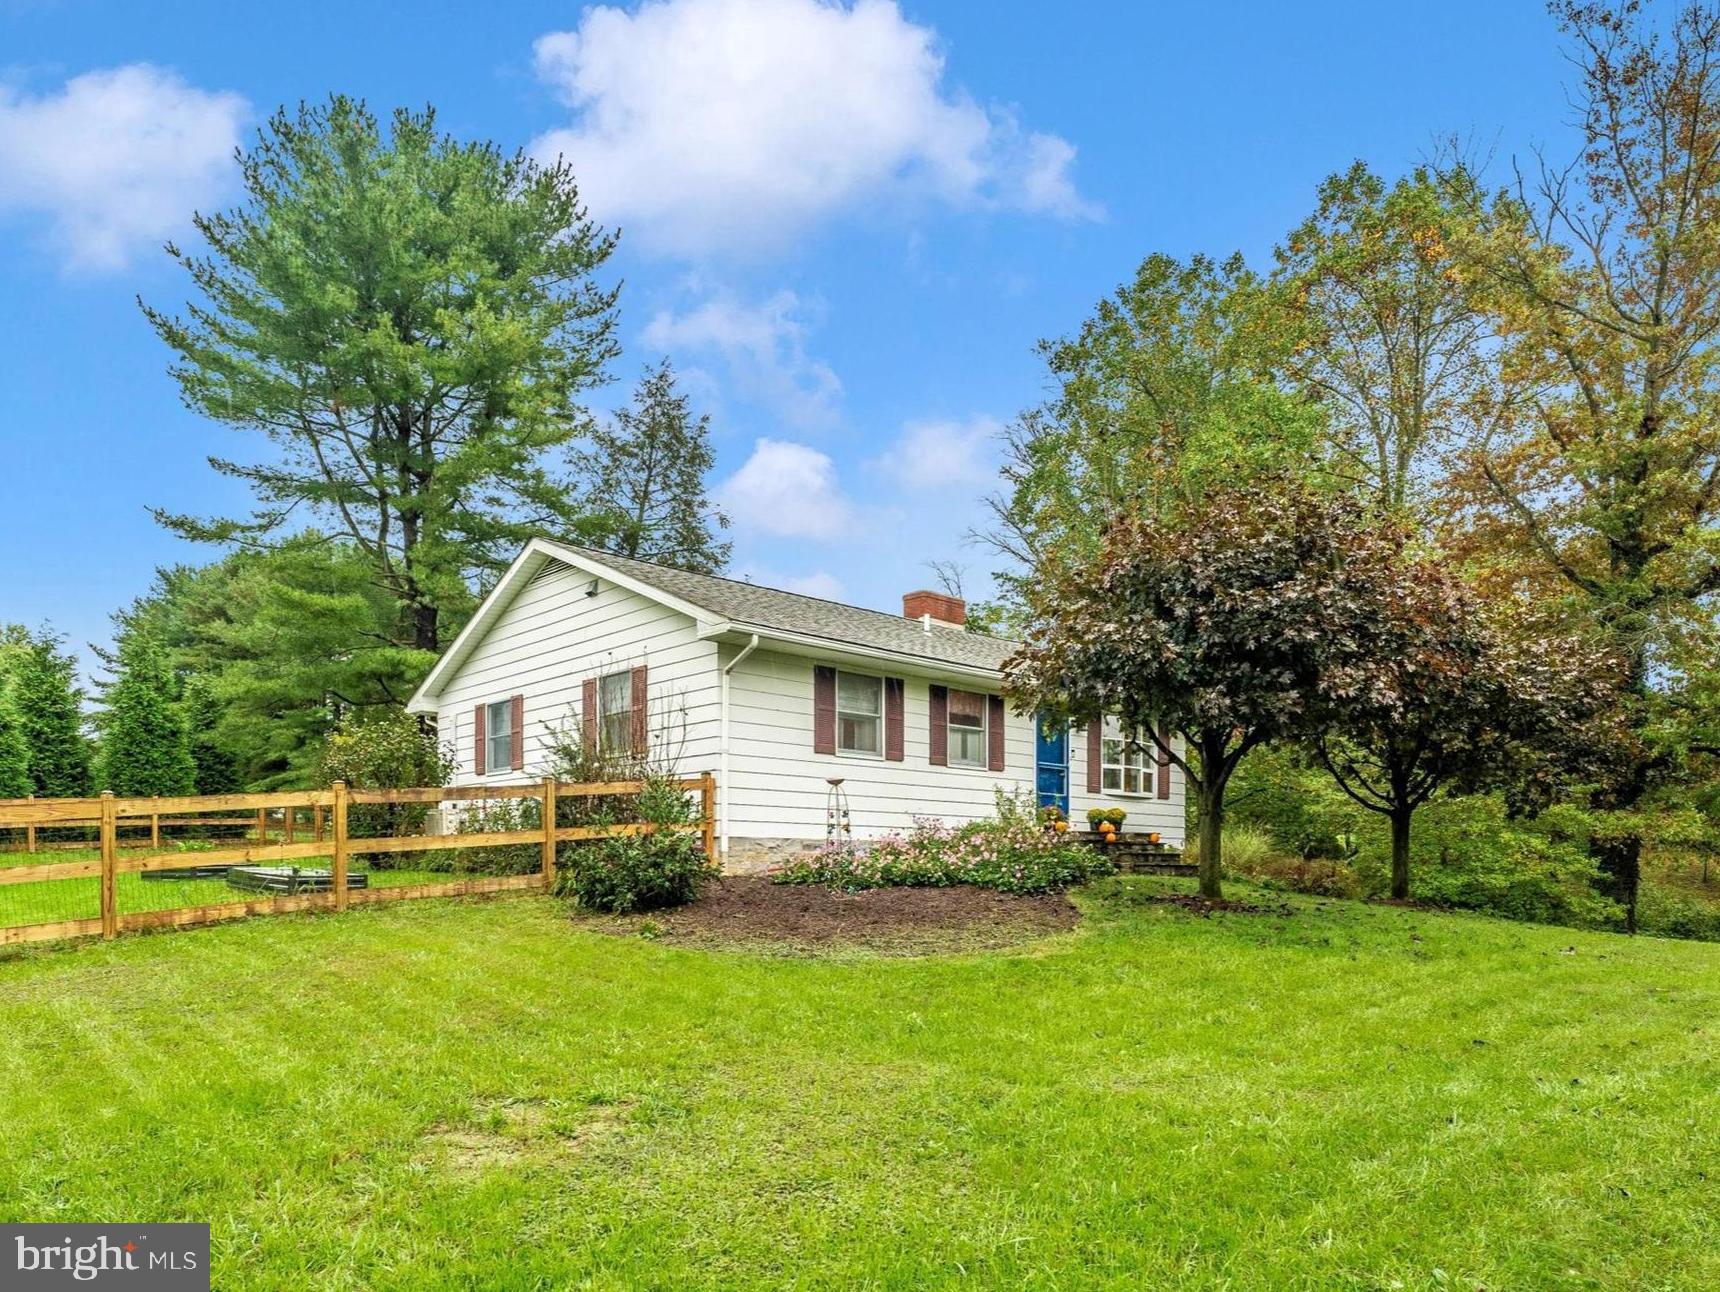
(479, 1094)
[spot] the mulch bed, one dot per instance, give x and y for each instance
(900, 921)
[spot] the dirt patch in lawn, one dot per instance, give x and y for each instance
(808, 919)
(509, 1131)
(1223, 906)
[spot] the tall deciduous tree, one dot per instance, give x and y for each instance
(1248, 619)
(1173, 384)
(143, 739)
(645, 473)
(408, 320)
(1450, 701)
(1604, 281)
(1399, 354)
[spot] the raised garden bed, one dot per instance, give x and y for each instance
(290, 879)
(189, 872)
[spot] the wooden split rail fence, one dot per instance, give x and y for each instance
(329, 807)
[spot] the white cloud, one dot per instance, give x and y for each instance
(116, 160)
(820, 583)
(764, 349)
(734, 124)
(936, 455)
(787, 490)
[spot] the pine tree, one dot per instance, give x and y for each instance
(647, 473)
(14, 752)
(143, 742)
(50, 711)
(217, 772)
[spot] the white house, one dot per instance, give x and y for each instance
(776, 693)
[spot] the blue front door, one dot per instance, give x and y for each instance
(1051, 763)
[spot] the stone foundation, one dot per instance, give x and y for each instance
(752, 856)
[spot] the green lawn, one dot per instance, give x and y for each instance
(52, 900)
(483, 1095)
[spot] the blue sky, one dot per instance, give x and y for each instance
(847, 226)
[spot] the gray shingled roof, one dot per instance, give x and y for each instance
(752, 606)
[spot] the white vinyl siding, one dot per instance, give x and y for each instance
(1147, 811)
(550, 638)
(778, 786)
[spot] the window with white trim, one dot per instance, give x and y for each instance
(859, 714)
(615, 710)
(967, 720)
(499, 736)
(1127, 765)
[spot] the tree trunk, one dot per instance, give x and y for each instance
(1210, 798)
(425, 634)
(1400, 818)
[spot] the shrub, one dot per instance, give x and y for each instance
(1011, 856)
(639, 872)
(491, 817)
(388, 751)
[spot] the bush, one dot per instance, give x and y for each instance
(491, 817)
(639, 872)
(1009, 855)
(387, 751)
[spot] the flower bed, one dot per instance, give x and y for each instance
(1010, 856)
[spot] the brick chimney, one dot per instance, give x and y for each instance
(945, 611)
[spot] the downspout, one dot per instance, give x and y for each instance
(723, 753)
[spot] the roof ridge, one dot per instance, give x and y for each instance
(597, 553)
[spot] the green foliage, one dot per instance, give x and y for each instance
(1167, 390)
(387, 750)
(15, 782)
(1470, 854)
(49, 706)
(645, 474)
(1010, 855)
(492, 816)
(143, 746)
(408, 320)
(217, 772)
(640, 872)
(1251, 619)
(286, 641)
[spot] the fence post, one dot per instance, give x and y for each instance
(262, 826)
(548, 830)
(109, 847)
(338, 874)
(30, 832)
(317, 823)
(287, 815)
(155, 832)
(708, 815)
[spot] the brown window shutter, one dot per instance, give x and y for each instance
(588, 715)
(1095, 756)
(1164, 766)
(994, 734)
(641, 714)
(893, 734)
(823, 709)
(519, 725)
(940, 726)
(478, 759)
